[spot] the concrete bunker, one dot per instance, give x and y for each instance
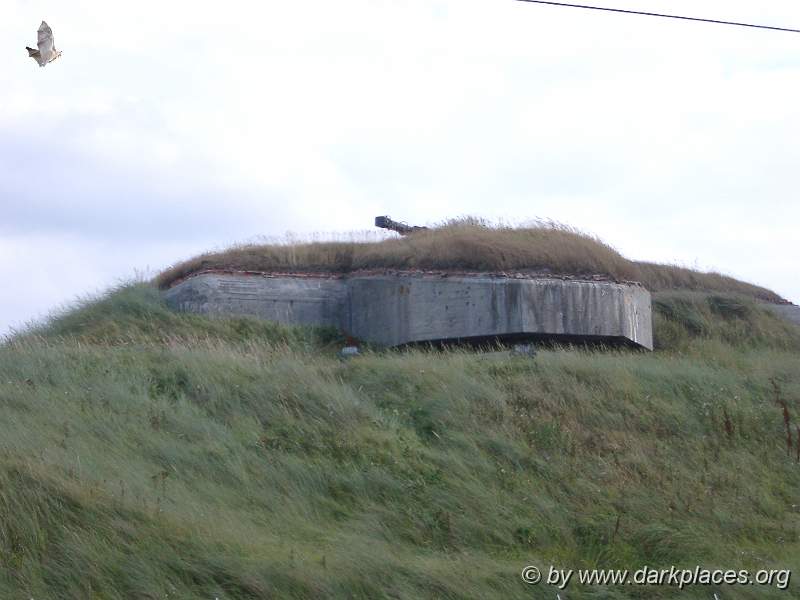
(402, 308)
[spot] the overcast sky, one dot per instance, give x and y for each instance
(170, 128)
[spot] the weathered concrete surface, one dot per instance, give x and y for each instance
(394, 310)
(401, 310)
(296, 300)
(790, 312)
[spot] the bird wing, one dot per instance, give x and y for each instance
(35, 55)
(45, 41)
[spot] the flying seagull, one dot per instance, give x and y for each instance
(47, 51)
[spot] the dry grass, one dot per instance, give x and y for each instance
(659, 278)
(467, 245)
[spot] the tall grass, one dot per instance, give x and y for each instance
(659, 278)
(466, 245)
(151, 455)
(135, 313)
(682, 317)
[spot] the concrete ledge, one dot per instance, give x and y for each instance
(394, 310)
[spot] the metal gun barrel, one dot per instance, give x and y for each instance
(385, 222)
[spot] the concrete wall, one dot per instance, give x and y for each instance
(399, 310)
(790, 312)
(393, 310)
(297, 300)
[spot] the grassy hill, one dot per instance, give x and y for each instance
(148, 454)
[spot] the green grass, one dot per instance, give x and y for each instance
(467, 245)
(682, 317)
(147, 454)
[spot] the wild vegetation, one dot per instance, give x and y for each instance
(148, 454)
(467, 245)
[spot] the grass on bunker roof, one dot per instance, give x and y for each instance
(467, 244)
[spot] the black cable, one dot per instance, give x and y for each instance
(649, 14)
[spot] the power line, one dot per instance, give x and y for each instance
(664, 16)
